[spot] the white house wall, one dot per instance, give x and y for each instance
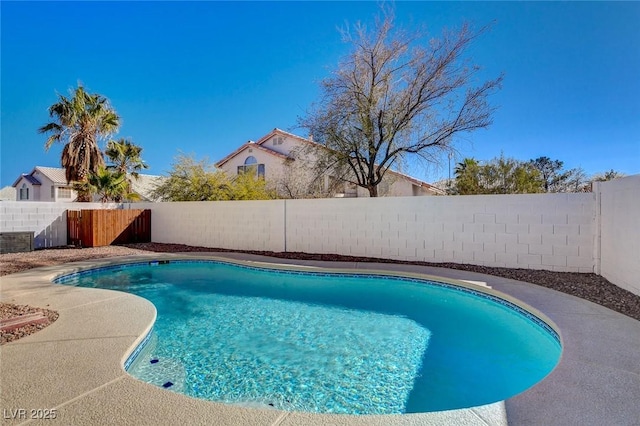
(27, 185)
(45, 188)
(400, 187)
(394, 186)
(288, 144)
(273, 164)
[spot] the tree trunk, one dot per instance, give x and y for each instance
(84, 197)
(373, 190)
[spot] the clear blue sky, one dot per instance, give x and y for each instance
(205, 77)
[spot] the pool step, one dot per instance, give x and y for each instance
(480, 283)
(163, 372)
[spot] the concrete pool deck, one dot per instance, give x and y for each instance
(74, 366)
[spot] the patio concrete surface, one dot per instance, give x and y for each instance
(75, 365)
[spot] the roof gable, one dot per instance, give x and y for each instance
(246, 146)
(56, 175)
(32, 180)
(280, 132)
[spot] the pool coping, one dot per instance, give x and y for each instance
(98, 329)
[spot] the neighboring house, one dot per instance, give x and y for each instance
(8, 193)
(287, 162)
(50, 184)
(144, 185)
(44, 184)
(445, 185)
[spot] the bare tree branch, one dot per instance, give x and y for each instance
(395, 96)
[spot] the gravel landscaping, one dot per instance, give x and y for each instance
(591, 287)
(8, 310)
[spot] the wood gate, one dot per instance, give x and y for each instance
(95, 228)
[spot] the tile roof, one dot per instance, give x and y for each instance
(32, 180)
(281, 132)
(145, 184)
(55, 174)
(418, 182)
(8, 193)
(247, 145)
(28, 178)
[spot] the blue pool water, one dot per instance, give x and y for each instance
(332, 343)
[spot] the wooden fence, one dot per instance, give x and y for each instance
(94, 228)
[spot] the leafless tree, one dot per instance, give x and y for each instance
(396, 96)
(304, 177)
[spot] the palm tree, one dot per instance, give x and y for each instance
(468, 177)
(80, 122)
(125, 157)
(108, 185)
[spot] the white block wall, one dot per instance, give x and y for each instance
(620, 232)
(537, 231)
(241, 225)
(48, 220)
(592, 232)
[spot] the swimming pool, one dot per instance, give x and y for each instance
(329, 342)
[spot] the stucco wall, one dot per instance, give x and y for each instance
(45, 188)
(34, 190)
(273, 165)
(399, 187)
(288, 144)
(619, 205)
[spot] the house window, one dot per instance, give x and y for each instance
(64, 192)
(278, 140)
(24, 192)
(251, 166)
